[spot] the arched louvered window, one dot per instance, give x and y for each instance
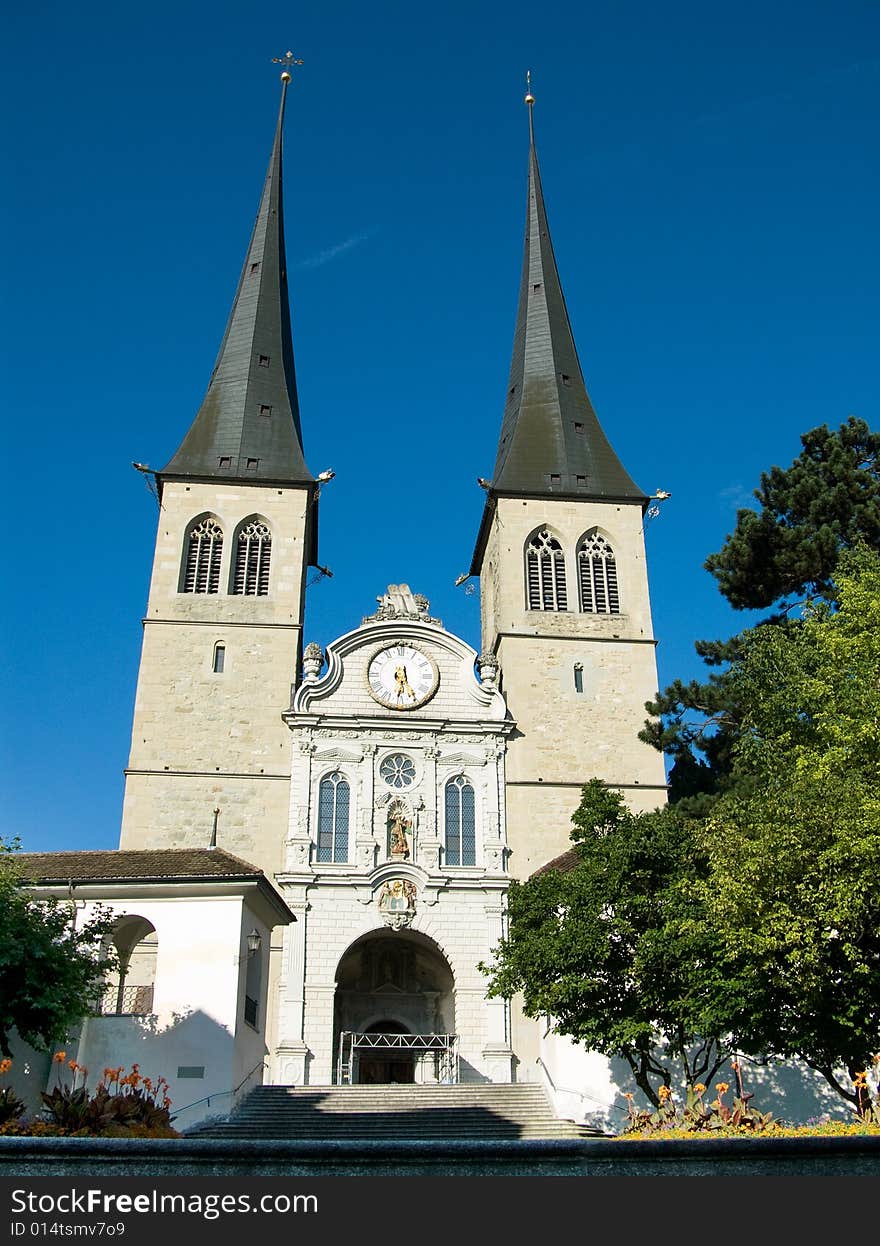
(333, 811)
(461, 827)
(253, 548)
(203, 554)
(597, 575)
(545, 573)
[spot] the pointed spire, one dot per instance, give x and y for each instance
(248, 426)
(551, 440)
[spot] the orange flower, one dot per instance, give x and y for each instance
(5, 1065)
(664, 1092)
(627, 1095)
(722, 1087)
(699, 1089)
(60, 1057)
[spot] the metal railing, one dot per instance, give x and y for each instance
(126, 1001)
(353, 1043)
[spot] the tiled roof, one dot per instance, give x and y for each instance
(121, 865)
(567, 861)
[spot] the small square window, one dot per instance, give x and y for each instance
(578, 428)
(537, 285)
(264, 361)
(555, 480)
(566, 380)
(225, 462)
(255, 268)
(265, 410)
(581, 482)
(253, 464)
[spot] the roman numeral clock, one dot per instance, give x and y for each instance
(401, 677)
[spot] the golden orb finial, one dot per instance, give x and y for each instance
(530, 99)
(288, 60)
(285, 77)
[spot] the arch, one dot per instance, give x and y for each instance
(129, 989)
(202, 556)
(394, 982)
(597, 574)
(334, 811)
(460, 823)
(545, 572)
(252, 554)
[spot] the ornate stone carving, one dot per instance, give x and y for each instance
(399, 602)
(398, 826)
(313, 661)
(397, 902)
(487, 665)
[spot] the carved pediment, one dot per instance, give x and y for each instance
(338, 754)
(461, 759)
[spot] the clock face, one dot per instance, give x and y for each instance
(401, 677)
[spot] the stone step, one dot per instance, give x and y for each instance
(461, 1111)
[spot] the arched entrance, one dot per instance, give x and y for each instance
(394, 1000)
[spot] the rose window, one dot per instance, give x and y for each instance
(398, 770)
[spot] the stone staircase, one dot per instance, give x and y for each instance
(463, 1112)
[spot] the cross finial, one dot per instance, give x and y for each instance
(530, 99)
(288, 60)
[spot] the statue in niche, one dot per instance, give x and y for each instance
(398, 825)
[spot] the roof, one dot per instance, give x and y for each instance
(135, 865)
(551, 442)
(248, 426)
(565, 862)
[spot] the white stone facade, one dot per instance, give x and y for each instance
(356, 958)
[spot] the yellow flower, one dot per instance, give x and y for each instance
(722, 1087)
(699, 1089)
(664, 1092)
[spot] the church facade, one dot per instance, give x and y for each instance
(390, 783)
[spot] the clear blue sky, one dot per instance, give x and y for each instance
(712, 181)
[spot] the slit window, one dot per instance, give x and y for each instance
(579, 677)
(219, 659)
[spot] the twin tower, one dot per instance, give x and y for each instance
(559, 555)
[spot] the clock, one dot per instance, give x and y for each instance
(402, 677)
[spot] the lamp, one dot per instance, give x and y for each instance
(254, 942)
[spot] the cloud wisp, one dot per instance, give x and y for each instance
(331, 253)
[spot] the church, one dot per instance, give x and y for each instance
(318, 833)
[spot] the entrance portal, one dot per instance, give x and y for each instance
(393, 983)
(386, 1066)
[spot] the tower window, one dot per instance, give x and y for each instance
(578, 677)
(225, 462)
(264, 361)
(461, 840)
(203, 554)
(264, 410)
(566, 380)
(545, 573)
(597, 575)
(219, 659)
(255, 267)
(253, 549)
(253, 464)
(333, 811)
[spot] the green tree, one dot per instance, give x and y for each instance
(51, 968)
(614, 947)
(794, 844)
(826, 502)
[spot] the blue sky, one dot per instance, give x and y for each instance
(712, 181)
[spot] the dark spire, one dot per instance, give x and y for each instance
(248, 425)
(551, 440)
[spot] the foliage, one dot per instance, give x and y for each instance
(698, 1116)
(51, 969)
(11, 1106)
(792, 894)
(826, 502)
(122, 1105)
(616, 949)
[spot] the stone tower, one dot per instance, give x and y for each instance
(222, 638)
(563, 582)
